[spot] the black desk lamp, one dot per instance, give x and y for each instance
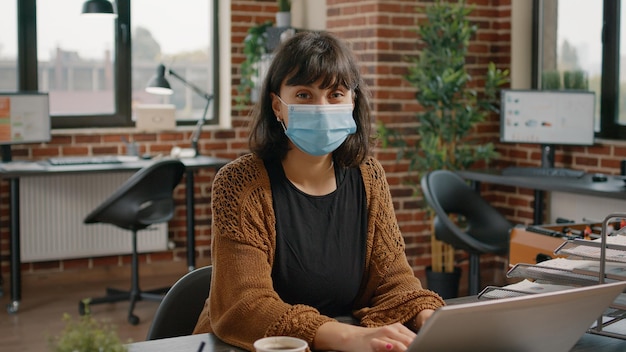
(102, 8)
(159, 85)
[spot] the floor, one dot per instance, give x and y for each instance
(45, 301)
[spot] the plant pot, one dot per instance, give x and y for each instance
(283, 19)
(445, 284)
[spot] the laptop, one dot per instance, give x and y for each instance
(155, 117)
(552, 321)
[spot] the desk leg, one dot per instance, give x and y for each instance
(16, 274)
(538, 208)
(191, 222)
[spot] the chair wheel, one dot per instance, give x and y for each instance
(133, 319)
(13, 307)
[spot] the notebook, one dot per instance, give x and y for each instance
(155, 117)
(552, 321)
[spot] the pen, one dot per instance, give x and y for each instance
(201, 346)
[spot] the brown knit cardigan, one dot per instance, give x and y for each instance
(243, 306)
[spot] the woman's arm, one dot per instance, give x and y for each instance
(392, 292)
(334, 336)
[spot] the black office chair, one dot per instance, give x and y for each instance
(146, 198)
(179, 311)
(485, 229)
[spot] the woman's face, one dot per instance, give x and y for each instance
(309, 94)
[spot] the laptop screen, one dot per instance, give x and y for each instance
(550, 322)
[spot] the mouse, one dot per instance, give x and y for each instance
(599, 178)
(146, 156)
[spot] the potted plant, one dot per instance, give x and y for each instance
(575, 79)
(254, 49)
(86, 335)
(452, 107)
(283, 16)
(551, 80)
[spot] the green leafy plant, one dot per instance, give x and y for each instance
(284, 5)
(452, 106)
(254, 47)
(86, 335)
(551, 80)
(575, 79)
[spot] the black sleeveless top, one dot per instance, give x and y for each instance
(320, 241)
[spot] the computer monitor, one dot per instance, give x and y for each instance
(547, 118)
(24, 118)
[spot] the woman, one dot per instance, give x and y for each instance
(304, 229)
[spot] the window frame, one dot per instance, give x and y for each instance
(610, 128)
(609, 103)
(27, 63)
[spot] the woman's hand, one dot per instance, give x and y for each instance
(420, 319)
(348, 338)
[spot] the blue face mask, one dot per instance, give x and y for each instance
(319, 129)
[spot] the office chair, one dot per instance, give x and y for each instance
(146, 198)
(485, 229)
(179, 311)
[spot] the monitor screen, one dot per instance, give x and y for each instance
(547, 117)
(24, 118)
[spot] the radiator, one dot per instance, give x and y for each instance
(52, 210)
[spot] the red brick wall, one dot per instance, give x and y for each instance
(382, 35)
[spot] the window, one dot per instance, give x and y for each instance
(578, 47)
(571, 54)
(75, 59)
(8, 46)
(180, 38)
(96, 69)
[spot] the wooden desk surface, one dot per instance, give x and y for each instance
(613, 187)
(587, 343)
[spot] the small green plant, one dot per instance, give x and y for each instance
(284, 5)
(575, 79)
(86, 335)
(551, 80)
(254, 47)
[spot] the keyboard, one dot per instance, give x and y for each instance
(84, 160)
(542, 171)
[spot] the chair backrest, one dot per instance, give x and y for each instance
(486, 230)
(179, 310)
(146, 198)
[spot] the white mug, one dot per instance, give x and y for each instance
(280, 344)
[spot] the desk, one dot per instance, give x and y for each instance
(183, 344)
(18, 169)
(613, 188)
(588, 342)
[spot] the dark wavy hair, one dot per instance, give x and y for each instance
(304, 59)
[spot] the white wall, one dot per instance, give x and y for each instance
(521, 44)
(225, 61)
(308, 14)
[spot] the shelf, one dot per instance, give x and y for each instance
(583, 262)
